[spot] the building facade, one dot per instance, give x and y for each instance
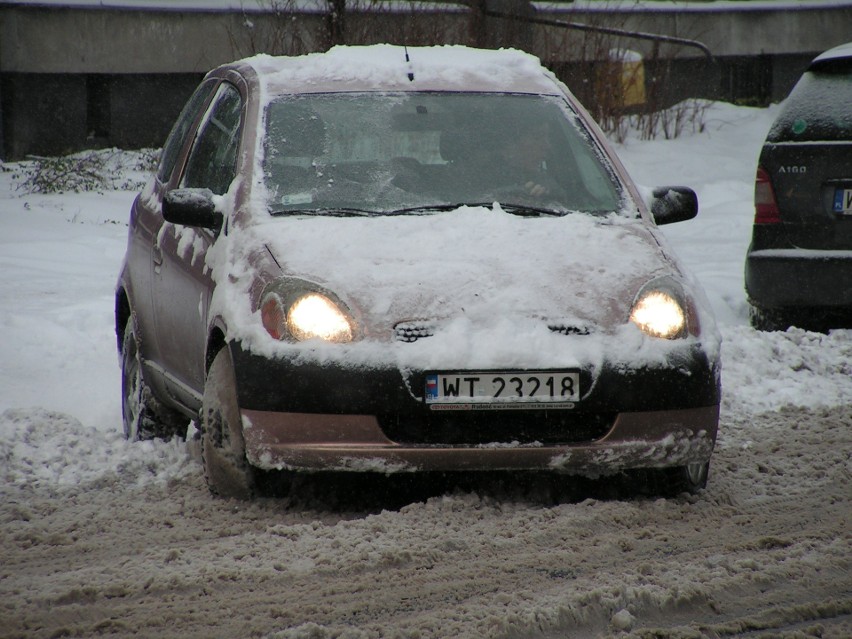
(87, 74)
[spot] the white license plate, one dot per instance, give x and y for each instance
(513, 388)
(843, 201)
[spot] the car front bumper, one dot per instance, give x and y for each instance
(784, 278)
(317, 442)
(327, 417)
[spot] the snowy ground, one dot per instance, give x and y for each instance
(101, 537)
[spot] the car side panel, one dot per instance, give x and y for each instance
(145, 224)
(181, 287)
(182, 283)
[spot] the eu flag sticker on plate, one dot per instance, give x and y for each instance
(431, 387)
(843, 201)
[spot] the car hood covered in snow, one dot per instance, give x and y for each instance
(496, 289)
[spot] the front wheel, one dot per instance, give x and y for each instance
(687, 479)
(671, 482)
(223, 453)
(143, 415)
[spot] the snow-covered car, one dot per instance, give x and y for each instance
(389, 260)
(799, 264)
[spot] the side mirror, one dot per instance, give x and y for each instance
(192, 207)
(673, 204)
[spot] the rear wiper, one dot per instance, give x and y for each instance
(334, 212)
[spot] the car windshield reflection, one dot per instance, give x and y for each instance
(416, 153)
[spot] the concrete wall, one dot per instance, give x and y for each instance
(84, 76)
(55, 39)
(729, 29)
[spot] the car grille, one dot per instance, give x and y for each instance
(569, 329)
(414, 330)
(459, 428)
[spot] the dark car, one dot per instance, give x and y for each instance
(798, 267)
(384, 260)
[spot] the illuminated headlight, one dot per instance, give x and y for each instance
(315, 315)
(306, 317)
(659, 312)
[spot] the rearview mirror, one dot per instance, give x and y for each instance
(673, 204)
(192, 207)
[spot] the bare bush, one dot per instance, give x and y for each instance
(278, 30)
(103, 170)
(623, 88)
(625, 82)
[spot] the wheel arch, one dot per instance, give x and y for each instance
(215, 342)
(122, 316)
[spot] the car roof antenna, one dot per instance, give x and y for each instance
(410, 70)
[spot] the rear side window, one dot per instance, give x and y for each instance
(177, 137)
(818, 109)
(212, 162)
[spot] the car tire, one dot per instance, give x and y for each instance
(674, 481)
(763, 319)
(226, 469)
(691, 478)
(143, 415)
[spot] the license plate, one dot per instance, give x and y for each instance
(843, 201)
(503, 390)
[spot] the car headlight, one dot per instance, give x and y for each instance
(659, 311)
(305, 316)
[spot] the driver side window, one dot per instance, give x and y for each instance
(178, 135)
(212, 162)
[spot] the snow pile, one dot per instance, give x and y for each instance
(48, 450)
(767, 371)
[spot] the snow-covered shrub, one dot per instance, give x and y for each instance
(102, 170)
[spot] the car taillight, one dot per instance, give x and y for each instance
(765, 206)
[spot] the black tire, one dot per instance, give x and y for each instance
(763, 319)
(674, 481)
(143, 415)
(820, 320)
(226, 469)
(691, 478)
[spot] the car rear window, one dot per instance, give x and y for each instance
(818, 109)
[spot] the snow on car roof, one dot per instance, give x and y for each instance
(398, 68)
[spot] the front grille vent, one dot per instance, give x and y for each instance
(569, 329)
(413, 330)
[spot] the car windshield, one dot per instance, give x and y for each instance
(817, 109)
(381, 153)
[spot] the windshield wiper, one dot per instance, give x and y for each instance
(435, 208)
(522, 210)
(331, 212)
